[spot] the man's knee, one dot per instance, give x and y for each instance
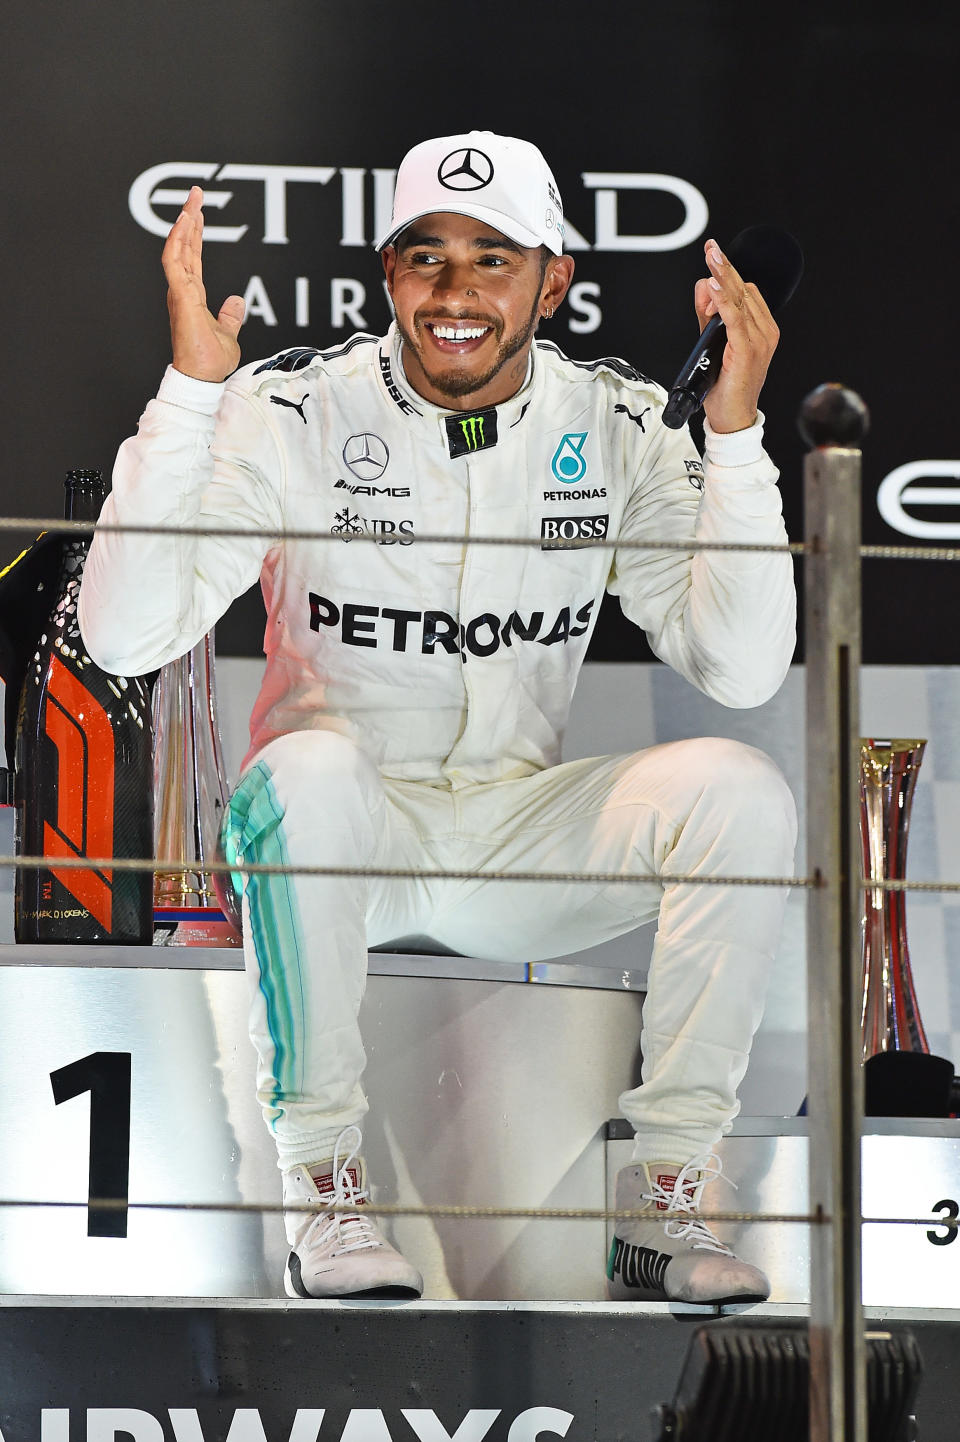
(716, 785)
(318, 786)
(307, 763)
(746, 787)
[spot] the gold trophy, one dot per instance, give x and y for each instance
(902, 1078)
(190, 796)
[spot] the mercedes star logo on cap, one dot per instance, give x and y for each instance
(465, 170)
(366, 456)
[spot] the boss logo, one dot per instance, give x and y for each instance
(563, 532)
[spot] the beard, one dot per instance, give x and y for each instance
(456, 383)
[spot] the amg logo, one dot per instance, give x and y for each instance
(425, 631)
(397, 491)
(562, 533)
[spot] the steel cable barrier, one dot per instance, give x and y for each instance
(832, 554)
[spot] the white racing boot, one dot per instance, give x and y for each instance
(674, 1256)
(339, 1254)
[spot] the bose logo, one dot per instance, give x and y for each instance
(160, 191)
(898, 489)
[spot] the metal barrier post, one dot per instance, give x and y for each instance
(833, 420)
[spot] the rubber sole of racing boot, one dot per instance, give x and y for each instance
(409, 1288)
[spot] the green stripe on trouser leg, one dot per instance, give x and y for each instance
(253, 832)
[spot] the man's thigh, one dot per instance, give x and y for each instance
(315, 799)
(610, 815)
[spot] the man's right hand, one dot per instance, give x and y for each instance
(204, 346)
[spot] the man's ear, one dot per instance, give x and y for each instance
(556, 283)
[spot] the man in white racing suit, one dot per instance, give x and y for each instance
(415, 692)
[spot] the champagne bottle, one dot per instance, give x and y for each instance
(83, 782)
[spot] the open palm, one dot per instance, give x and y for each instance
(204, 346)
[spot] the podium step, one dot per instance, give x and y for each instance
(910, 1168)
(474, 1101)
(365, 1372)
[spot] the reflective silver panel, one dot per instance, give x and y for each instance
(482, 1093)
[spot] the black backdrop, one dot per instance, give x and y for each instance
(841, 130)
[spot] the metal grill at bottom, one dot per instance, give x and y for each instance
(749, 1382)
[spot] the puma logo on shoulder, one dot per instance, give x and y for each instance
(622, 410)
(279, 401)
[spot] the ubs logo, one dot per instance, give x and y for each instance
(347, 524)
(465, 170)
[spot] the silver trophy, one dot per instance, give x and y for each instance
(190, 796)
(888, 776)
(902, 1077)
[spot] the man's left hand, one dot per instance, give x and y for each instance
(752, 335)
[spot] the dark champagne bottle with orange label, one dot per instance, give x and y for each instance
(83, 782)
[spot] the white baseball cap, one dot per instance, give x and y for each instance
(495, 178)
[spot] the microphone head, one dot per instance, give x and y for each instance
(771, 258)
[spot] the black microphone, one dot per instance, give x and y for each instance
(772, 259)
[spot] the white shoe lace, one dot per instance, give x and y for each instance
(344, 1231)
(685, 1198)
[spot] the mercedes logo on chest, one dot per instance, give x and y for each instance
(465, 170)
(366, 456)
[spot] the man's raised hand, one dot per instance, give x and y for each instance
(204, 346)
(752, 335)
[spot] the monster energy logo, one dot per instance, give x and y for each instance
(467, 434)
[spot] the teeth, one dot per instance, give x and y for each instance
(466, 332)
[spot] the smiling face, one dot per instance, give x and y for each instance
(467, 302)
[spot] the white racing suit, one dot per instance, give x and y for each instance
(415, 694)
